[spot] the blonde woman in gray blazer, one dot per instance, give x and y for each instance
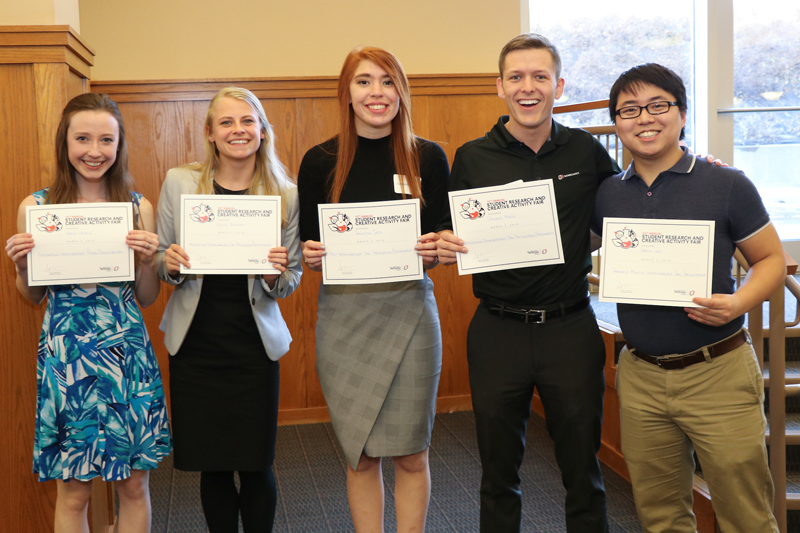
(225, 333)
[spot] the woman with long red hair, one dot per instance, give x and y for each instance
(378, 346)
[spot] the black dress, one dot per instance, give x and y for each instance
(224, 388)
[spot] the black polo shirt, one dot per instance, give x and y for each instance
(577, 163)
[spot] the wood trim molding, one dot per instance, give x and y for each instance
(45, 44)
(286, 87)
(582, 106)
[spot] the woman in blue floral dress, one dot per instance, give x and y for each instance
(100, 407)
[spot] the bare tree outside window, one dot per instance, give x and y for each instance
(767, 75)
(598, 41)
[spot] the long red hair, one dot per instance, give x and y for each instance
(404, 143)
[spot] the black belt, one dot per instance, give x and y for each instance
(682, 361)
(534, 316)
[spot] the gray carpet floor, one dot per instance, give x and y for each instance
(310, 471)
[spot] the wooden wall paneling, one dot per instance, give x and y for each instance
(451, 120)
(419, 115)
(281, 114)
(611, 449)
(25, 504)
(455, 120)
(50, 85)
(76, 84)
(316, 120)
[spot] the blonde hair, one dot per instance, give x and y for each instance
(270, 176)
(404, 143)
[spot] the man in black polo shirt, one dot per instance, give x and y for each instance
(558, 350)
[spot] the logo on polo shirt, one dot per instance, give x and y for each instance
(472, 209)
(625, 238)
(340, 223)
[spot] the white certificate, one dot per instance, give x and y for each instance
(507, 226)
(230, 234)
(656, 261)
(370, 242)
(79, 243)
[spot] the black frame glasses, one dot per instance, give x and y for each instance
(654, 108)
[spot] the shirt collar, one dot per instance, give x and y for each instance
(558, 135)
(684, 165)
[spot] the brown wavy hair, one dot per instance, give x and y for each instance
(404, 143)
(118, 179)
(270, 176)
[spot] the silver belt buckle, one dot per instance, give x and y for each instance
(529, 315)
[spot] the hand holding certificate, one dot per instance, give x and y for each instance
(370, 242)
(656, 261)
(508, 226)
(79, 243)
(225, 234)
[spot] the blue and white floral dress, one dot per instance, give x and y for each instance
(100, 404)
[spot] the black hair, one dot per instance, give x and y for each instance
(648, 74)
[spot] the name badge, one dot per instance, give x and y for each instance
(401, 185)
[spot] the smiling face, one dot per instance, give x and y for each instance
(92, 141)
(374, 99)
(235, 130)
(649, 137)
(530, 88)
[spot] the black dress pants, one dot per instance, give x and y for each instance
(563, 359)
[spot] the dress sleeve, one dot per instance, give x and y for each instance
(165, 223)
(458, 179)
(289, 279)
(435, 179)
(311, 189)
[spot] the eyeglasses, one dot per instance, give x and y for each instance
(654, 108)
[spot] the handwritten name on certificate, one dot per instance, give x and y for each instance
(228, 234)
(79, 243)
(507, 226)
(656, 261)
(370, 242)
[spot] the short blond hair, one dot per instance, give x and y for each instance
(528, 41)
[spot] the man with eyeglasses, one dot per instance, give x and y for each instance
(688, 378)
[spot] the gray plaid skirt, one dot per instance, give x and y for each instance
(379, 357)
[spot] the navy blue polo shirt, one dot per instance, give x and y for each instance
(577, 163)
(692, 189)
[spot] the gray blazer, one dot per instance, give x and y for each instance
(182, 304)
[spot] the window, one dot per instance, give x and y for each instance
(599, 41)
(767, 143)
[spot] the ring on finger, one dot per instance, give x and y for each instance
(148, 245)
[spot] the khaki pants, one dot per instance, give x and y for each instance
(715, 408)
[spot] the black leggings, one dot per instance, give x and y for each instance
(255, 500)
